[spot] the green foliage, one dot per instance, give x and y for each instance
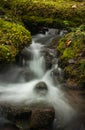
(13, 38)
(82, 65)
(7, 53)
(54, 10)
(74, 51)
(66, 23)
(68, 53)
(40, 21)
(14, 34)
(76, 72)
(77, 39)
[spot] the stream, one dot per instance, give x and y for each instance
(18, 85)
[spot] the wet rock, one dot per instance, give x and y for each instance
(48, 39)
(26, 53)
(57, 75)
(35, 116)
(21, 119)
(7, 125)
(48, 62)
(18, 114)
(28, 75)
(70, 83)
(50, 57)
(23, 57)
(71, 61)
(42, 118)
(41, 88)
(43, 30)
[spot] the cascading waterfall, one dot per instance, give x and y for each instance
(37, 64)
(24, 93)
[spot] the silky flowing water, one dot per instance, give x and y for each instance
(15, 89)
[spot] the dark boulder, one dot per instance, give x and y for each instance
(23, 57)
(42, 118)
(28, 74)
(22, 119)
(50, 57)
(34, 116)
(57, 75)
(43, 30)
(41, 88)
(7, 125)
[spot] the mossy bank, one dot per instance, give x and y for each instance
(71, 50)
(13, 38)
(51, 13)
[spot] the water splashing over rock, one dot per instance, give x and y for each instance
(40, 88)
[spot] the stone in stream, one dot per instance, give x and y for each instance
(42, 118)
(43, 30)
(35, 116)
(28, 74)
(50, 57)
(20, 117)
(57, 75)
(7, 125)
(23, 57)
(41, 88)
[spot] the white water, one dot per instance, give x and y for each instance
(24, 93)
(37, 64)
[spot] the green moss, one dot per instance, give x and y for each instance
(68, 53)
(7, 53)
(82, 66)
(75, 51)
(35, 21)
(2, 12)
(5, 3)
(12, 36)
(77, 39)
(57, 11)
(76, 72)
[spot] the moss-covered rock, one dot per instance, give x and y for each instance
(7, 53)
(51, 12)
(72, 56)
(13, 38)
(61, 13)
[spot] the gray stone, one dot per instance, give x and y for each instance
(41, 88)
(71, 61)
